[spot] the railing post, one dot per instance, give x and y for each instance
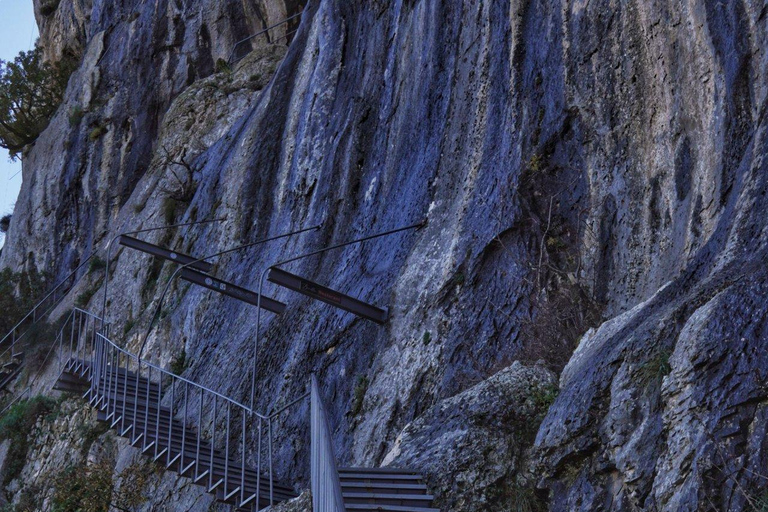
(199, 435)
(326, 488)
(135, 399)
(213, 440)
(184, 426)
(271, 479)
(226, 449)
(110, 376)
(146, 408)
(170, 422)
(242, 463)
(125, 390)
(157, 419)
(258, 467)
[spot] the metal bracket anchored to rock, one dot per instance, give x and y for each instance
(161, 252)
(322, 293)
(232, 290)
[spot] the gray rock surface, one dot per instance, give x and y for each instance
(473, 447)
(576, 161)
(301, 504)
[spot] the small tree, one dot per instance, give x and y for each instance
(5, 223)
(30, 92)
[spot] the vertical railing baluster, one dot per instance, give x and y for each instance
(170, 421)
(72, 335)
(182, 461)
(258, 466)
(269, 447)
(146, 407)
(199, 435)
(92, 351)
(242, 463)
(226, 449)
(81, 343)
(96, 374)
(213, 439)
(124, 392)
(109, 371)
(136, 398)
(157, 419)
(114, 381)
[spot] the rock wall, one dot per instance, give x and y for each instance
(577, 163)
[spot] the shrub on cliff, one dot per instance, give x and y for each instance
(30, 92)
(18, 293)
(17, 423)
(5, 223)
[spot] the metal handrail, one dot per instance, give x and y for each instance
(263, 31)
(33, 312)
(326, 485)
(165, 372)
(56, 342)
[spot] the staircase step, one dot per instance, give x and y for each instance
(383, 487)
(388, 498)
(382, 470)
(387, 508)
(378, 477)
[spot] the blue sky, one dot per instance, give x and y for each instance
(18, 31)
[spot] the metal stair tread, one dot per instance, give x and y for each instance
(377, 476)
(382, 485)
(387, 496)
(383, 470)
(388, 508)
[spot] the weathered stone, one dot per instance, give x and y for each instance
(472, 447)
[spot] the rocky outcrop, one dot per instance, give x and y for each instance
(59, 441)
(576, 162)
(663, 407)
(473, 447)
(301, 504)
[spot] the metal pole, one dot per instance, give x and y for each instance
(213, 441)
(157, 418)
(184, 427)
(199, 435)
(146, 407)
(242, 462)
(271, 479)
(146, 230)
(226, 449)
(258, 468)
(170, 422)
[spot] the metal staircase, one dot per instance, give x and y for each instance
(161, 414)
(384, 489)
(357, 489)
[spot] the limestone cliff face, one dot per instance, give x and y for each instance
(577, 162)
